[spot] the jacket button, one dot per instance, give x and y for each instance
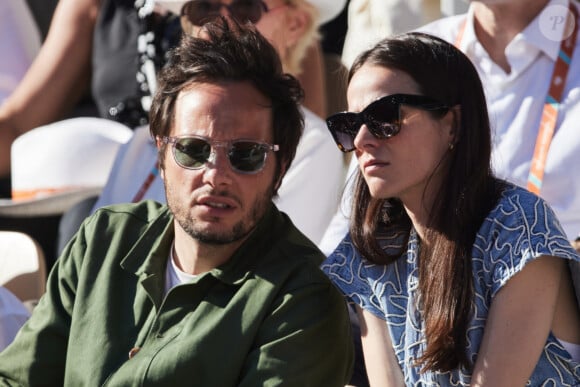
(133, 352)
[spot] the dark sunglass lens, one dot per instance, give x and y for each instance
(345, 141)
(247, 156)
(382, 118)
(246, 10)
(192, 152)
(199, 12)
(344, 127)
(382, 129)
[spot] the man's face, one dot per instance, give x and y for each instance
(216, 204)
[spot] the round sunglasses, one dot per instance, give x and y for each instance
(244, 156)
(382, 117)
(199, 12)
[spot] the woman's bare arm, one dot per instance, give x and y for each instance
(381, 363)
(518, 325)
(58, 77)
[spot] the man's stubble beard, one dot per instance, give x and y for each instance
(239, 231)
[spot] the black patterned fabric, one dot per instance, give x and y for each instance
(128, 35)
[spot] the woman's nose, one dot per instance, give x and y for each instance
(364, 138)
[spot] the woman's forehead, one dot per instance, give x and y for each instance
(371, 82)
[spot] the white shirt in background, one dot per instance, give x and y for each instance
(515, 103)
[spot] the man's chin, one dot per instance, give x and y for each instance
(219, 237)
(214, 239)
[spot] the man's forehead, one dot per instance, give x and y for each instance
(223, 105)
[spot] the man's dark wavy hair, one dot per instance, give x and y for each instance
(229, 51)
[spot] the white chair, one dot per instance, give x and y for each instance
(65, 156)
(22, 266)
(57, 165)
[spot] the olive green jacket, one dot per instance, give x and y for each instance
(268, 317)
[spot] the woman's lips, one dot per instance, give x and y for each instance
(373, 164)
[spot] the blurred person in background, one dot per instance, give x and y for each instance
(19, 45)
(100, 58)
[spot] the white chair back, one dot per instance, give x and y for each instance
(22, 265)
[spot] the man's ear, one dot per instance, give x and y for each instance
(161, 170)
(297, 21)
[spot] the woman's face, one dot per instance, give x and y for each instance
(400, 166)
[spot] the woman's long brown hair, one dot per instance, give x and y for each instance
(467, 193)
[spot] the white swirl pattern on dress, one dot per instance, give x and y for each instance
(521, 228)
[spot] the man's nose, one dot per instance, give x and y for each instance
(217, 169)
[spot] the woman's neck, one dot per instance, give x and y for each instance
(419, 215)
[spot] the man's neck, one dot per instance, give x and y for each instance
(497, 24)
(194, 257)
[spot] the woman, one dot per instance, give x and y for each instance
(459, 278)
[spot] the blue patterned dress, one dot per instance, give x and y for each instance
(519, 229)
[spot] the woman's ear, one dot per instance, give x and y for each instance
(297, 21)
(452, 122)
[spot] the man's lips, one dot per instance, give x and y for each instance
(217, 202)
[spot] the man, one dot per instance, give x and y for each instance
(515, 45)
(218, 288)
(310, 191)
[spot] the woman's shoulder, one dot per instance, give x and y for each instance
(519, 229)
(517, 209)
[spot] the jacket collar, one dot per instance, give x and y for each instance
(148, 257)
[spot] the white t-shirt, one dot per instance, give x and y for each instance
(174, 275)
